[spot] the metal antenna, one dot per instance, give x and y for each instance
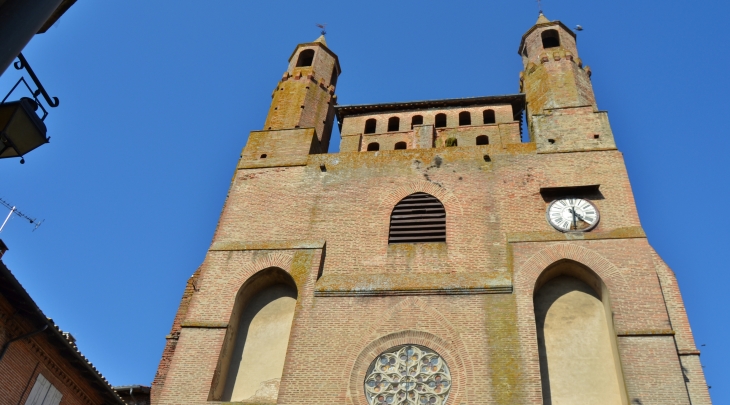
(14, 210)
(322, 27)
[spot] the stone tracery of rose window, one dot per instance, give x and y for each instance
(408, 375)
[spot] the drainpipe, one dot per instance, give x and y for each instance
(27, 335)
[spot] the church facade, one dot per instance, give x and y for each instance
(437, 259)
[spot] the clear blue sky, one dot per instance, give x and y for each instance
(157, 99)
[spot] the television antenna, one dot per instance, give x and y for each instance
(322, 27)
(14, 210)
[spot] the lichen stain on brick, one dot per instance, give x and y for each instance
(301, 267)
(505, 364)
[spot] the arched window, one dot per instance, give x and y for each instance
(416, 120)
(464, 118)
(400, 145)
(393, 124)
(440, 120)
(252, 360)
(550, 39)
(419, 217)
(576, 341)
(373, 146)
(482, 140)
(370, 126)
(488, 116)
(451, 142)
(305, 58)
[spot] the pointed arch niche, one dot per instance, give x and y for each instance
(579, 362)
(254, 350)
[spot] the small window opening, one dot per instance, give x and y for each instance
(550, 39)
(393, 124)
(488, 116)
(487, 158)
(400, 145)
(322, 168)
(451, 142)
(416, 120)
(440, 120)
(596, 136)
(373, 146)
(551, 141)
(263, 156)
(370, 126)
(305, 58)
(482, 140)
(464, 118)
(333, 79)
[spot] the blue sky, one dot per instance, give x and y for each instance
(157, 99)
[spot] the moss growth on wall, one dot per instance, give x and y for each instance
(504, 349)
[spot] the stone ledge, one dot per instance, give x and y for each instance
(267, 245)
(204, 325)
(688, 352)
(285, 161)
(646, 332)
(546, 152)
(618, 233)
(411, 284)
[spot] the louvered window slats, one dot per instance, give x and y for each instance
(420, 217)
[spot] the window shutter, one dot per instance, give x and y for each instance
(53, 397)
(39, 391)
(420, 217)
(43, 393)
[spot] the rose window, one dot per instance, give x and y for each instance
(408, 375)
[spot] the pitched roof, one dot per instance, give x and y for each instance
(15, 294)
(517, 101)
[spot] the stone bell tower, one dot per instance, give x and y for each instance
(302, 111)
(562, 113)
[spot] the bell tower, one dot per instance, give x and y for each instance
(562, 112)
(301, 115)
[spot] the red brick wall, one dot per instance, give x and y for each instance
(324, 219)
(26, 358)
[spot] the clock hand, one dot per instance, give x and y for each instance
(572, 211)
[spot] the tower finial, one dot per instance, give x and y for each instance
(322, 27)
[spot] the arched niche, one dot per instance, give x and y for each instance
(252, 359)
(579, 361)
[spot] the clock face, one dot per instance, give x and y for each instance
(572, 215)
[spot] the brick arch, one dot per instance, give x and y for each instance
(528, 273)
(373, 344)
(448, 199)
(280, 260)
(525, 278)
(222, 296)
(454, 359)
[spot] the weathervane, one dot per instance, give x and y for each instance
(322, 27)
(539, 6)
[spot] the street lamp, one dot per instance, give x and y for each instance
(21, 130)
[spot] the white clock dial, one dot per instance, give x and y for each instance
(572, 214)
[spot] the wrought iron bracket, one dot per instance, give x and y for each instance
(22, 63)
